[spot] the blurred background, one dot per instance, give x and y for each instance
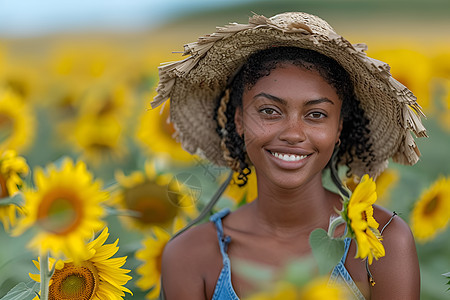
(77, 78)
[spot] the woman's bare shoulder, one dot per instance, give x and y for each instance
(187, 262)
(395, 231)
(195, 243)
(397, 274)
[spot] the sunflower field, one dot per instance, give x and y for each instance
(93, 183)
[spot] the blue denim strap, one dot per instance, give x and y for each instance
(224, 289)
(223, 240)
(341, 275)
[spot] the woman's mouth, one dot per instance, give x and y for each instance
(288, 156)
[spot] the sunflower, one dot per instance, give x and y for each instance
(86, 61)
(444, 114)
(384, 183)
(12, 169)
(98, 137)
(64, 101)
(155, 198)
(440, 60)
(318, 289)
(431, 212)
(151, 255)
(23, 77)
(64, 209)
(156, 134)
(97, 277)
(246, 193)
(358, 213)
(315, 289)
(113, 99)
(17, 123)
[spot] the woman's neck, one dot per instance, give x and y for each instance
(285, 213)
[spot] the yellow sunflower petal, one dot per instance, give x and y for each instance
(431, 212)
(17, 121)
(155, 291)
(64, 209)
(99, 278)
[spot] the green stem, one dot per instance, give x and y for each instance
(333, 225)
(45, 276)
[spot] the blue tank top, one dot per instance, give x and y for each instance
(224, 289)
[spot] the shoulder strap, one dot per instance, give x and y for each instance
(371, 280)
(347, 242)
(223, 240)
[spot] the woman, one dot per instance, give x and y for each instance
(290, 97)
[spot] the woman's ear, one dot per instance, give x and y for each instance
(238, 121)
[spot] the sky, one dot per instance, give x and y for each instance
(25, 18)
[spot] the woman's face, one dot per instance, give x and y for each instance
(291, 122)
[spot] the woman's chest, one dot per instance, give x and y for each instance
(255, 263)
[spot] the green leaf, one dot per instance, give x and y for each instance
(253, 272)
(327, 251)
(300, 271)
(17, 200)
(22, 291)
(448, 276)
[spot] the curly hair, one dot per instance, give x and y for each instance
(354, 136)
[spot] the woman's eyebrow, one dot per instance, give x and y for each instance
(271, 97)
(284, 102)
(318, 101)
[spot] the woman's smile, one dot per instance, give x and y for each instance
(287, 156)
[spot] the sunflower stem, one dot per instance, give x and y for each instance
(334, 224)
(45, 276)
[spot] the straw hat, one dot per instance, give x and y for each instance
(194, 84)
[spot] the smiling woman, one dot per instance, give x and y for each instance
(289, 97)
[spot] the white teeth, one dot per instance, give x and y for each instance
(288, 157)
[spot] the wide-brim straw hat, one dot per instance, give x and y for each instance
(195, 83)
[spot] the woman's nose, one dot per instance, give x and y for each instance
(293, 131)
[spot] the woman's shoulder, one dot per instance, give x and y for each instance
(196, 242)
(397, 273)
(189, 261)
(391, 222)
(395, 232)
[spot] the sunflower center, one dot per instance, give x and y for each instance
(364, 215)
(99, 146)
(3, 190)
(151, 201)
(74, 282)
(6, 127)
(60, 212)
(107, 106)
(430, 207)
(17, 86)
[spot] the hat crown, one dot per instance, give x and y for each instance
(291, 20)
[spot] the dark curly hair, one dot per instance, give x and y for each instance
(354, 136)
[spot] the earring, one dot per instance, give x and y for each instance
(338, 143)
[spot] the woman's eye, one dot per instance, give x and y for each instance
(268, 111)
(317, 115)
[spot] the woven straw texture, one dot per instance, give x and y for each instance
(194, 84)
